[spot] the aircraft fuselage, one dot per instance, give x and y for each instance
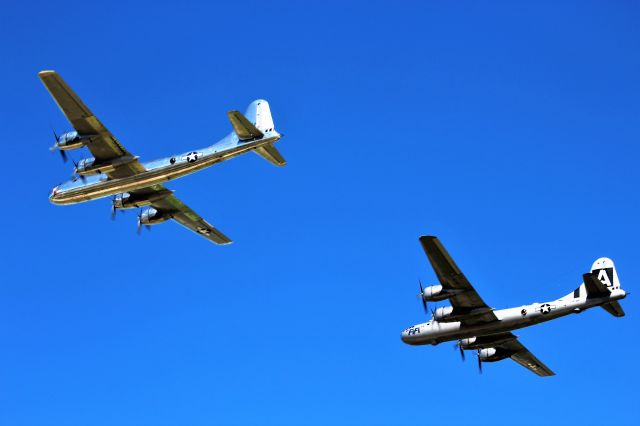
(157, 172)
(435, 332)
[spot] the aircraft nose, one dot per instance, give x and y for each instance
(404, 336)
(53, 193)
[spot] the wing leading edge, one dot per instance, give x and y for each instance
(181, 213)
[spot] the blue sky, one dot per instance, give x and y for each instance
(508, 130)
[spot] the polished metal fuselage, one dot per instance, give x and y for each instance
(435, 332)
(156, 172)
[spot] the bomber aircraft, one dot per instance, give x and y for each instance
(114, 171)
(476, 326)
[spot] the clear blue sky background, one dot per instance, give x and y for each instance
(510, 131)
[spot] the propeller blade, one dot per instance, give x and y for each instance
(75, 173)
(479, 362)
(459, 346)
(56, 147)
(139, 230)
(421, 295)
(113, 210)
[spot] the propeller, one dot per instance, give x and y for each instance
(421, 296)
(75, 173)
(139, 230)
(113, 208)
(459, 346)
(56, 147)
(479, 362)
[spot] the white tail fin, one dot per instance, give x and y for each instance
(259, 114)
(606, 272)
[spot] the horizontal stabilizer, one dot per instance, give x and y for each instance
(613, 308)
(595, 287)
(243, 127)
(271, 154)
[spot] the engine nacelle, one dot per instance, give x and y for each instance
(127, 200)
(479, 342)
(433, 293)
(491, 355)
(468, 343)
(72, 140)
(89, 166)
(443, 314)
(124, 201)
(151, 216)
(486, 353)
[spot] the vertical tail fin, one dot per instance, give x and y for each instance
(256, 125)
(259, 114)
(606, 272)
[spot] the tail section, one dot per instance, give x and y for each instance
(255, 124)
(602, 281)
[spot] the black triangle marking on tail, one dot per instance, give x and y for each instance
(605, 275)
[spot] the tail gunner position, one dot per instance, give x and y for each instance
(476, 326)
(113, 171)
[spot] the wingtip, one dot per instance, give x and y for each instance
(427, 237)
(46, 72)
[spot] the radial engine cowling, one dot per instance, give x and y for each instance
(491, 355)
(88, 166)
(151, 216)
(443, 313)
(433, 293)
(126, 200)
(468, 342)
(71, 140)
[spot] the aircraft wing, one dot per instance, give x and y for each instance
(452, 278)
(103, 145)
(182, 214)
(522, 356)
